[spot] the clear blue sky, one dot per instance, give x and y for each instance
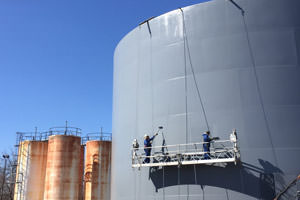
(56, 60)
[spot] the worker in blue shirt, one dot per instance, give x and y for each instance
(206, 143)
(147, 146)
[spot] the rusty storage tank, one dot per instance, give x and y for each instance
(97, 170)
(63, 177)
(31, 170)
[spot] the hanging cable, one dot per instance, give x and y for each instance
(195, 175)
(137, 104)
(293, 182)
(178, 181)
(186, 44)
(163, 170)
(257, 84)
(151, 82)
(185, 85)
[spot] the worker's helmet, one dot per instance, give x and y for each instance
(146, 135)
(207, 132)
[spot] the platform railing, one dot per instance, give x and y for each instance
(221, 151)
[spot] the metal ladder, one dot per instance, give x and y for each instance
(21, 171)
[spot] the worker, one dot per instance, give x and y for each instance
(206, 143)
(233, 138)
(135, 146)
(147, 146)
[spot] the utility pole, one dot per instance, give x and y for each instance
(4, 175)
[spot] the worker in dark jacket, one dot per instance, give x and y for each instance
(147, 146)
(206, 143)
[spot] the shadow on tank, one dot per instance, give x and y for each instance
(258, 182)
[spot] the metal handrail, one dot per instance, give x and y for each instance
(173, 145)
(190, 153)
(63, 130)
(100, 136)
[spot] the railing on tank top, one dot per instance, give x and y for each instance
(100, 136)
(221, 151)
(67, 130)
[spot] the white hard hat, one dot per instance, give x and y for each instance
(146, 135)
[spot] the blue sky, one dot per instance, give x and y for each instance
(56, 60)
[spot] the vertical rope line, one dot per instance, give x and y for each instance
(137, 105)
(163, 169)
(151, 79)
(188, 191)
(195, 175)
(258, 87)
(185, 81)
(227, 194)
(178, 181)
(192, 68)
(140, 177)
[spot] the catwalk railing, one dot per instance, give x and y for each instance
(221, 151)
(100, 136)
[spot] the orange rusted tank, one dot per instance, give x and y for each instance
(97, 170)
(63, 178)
(31, 170)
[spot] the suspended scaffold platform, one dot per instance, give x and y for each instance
(221, 151)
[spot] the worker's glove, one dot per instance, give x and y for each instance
(215, 138)
(155, 134)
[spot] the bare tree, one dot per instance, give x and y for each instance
(7, 175)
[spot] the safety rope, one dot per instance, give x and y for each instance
(186, 44)
(195, 175)
(257, 84)
(151, 80)
(137, 104)
(178, 181)
(185, 84)
(293, 182)
(163, 170)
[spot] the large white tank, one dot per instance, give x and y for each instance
(211, 65)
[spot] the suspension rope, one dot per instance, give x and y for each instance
(195, 175)
(185, 86)
(151, 79)
(137, 104)
(293, 182)
(178, 181)
(258, 86)
(163, 170)
(186, 44)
